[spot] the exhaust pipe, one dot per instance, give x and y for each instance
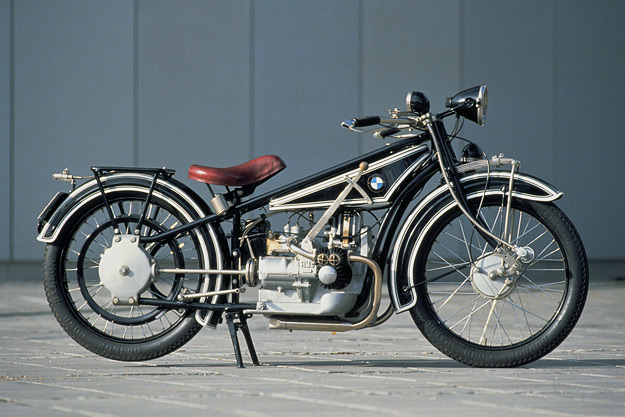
(338, 325)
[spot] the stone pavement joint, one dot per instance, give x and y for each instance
(390, 370)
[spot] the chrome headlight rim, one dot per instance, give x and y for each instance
(470, 104)
(482, 104)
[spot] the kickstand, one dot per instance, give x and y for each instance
(242, 325)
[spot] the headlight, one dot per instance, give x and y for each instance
(471, 104)
(417, 102)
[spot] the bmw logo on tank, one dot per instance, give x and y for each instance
(376, 183)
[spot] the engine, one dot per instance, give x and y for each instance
(325, 283)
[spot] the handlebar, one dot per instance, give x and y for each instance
(362, 122)
(470, 104)
(366, 121)
(398, 122)
(386, 132)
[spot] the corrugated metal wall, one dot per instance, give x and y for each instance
(157, 83)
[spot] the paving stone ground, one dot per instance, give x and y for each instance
(386, 371)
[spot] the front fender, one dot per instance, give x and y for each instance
(527, 187)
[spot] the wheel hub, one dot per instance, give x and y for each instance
(495, 276)
(125, 270)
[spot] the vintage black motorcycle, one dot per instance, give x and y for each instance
(492, 272)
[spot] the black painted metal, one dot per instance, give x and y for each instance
(233, 327)
(166, 172)
(97, 172)
(329, 173)
(262, 200)
(226, 307)
(390, 224)
(448, 159)
(146, 204)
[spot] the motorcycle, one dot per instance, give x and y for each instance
(492, 272)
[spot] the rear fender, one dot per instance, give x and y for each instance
(56, 214)
(401, 279)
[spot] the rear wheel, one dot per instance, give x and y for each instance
(488, 308)
(94, 308)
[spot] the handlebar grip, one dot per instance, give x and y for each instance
(386, 132)
(366, 121)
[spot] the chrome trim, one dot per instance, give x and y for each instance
(495, 161)
(282, 203)
(185, 297)
(125, 187)
(219, 204)
(201, 271)
(482, 103)
(552, 195)
(351, 184)
(299, 251)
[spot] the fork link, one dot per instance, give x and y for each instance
(507, 225)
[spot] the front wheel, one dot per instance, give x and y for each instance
(485, 306)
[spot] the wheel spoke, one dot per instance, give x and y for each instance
(90, 298)
(472, 314)
(506, 314)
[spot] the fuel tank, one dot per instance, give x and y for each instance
(389, 168)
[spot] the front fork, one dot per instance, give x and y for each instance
(450, 174)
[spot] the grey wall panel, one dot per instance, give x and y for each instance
(174, 83)
(541, 60)
(73, 99)
(5, 130)
(306, 82)
(408, 46)
(193, 92)
(590, 88)
(509, 47)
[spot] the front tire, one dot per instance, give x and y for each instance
(496, 321)
(85, 307)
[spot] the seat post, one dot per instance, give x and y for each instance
(210, 190)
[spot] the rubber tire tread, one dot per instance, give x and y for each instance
(470, 354)
(90, 339)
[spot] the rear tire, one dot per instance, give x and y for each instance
(485, 321)
(83, 305)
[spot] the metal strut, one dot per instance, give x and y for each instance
(233, 327)
(449, 172)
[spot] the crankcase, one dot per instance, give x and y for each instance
(291, 286)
